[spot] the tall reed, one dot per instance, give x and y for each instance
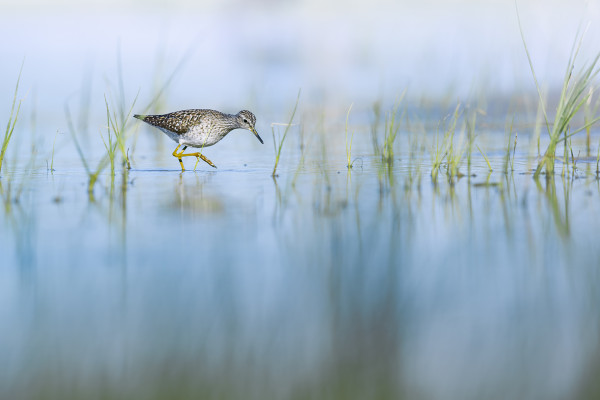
(12, 120)
(117, 122)
(573, 96)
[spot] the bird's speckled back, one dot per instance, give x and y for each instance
(180, 122)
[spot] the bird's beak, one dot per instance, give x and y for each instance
(257, 136)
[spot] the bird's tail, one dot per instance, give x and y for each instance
(140, 117)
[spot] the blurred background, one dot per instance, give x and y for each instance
(261, 52)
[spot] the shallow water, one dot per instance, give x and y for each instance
(323, 282)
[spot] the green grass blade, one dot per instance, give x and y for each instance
(74, 136)
(485, 157)
(12, 120)
(287, 128)
(349, 149)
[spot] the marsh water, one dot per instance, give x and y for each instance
(323, 281)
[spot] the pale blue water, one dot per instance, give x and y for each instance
(231, 284)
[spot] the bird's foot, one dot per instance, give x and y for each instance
(197, 155)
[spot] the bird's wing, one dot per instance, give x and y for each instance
(178, 122)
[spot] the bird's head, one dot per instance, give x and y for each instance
(247, 120)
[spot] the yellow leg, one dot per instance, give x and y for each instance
(197, 155)
(175, 154)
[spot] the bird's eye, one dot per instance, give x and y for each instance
(245, 121)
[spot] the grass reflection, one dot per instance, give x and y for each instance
(559, 207)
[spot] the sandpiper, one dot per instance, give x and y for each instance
(199, 128)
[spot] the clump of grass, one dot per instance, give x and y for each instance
(454, 158)
(12, 120)
(571, 99)
(446, 148)
(92, 174)
(450, 148)
(279, 146)
(117, 119)
(391, 131)
(438, 154)
(117, 124)
(455, 151)
(574, 95)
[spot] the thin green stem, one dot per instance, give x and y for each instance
(12, 120)
(349, 148)
(287, 128)
(485, 157)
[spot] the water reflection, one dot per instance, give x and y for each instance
(558, 209)
(190, 197)
(18, 222)
(366, 284)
